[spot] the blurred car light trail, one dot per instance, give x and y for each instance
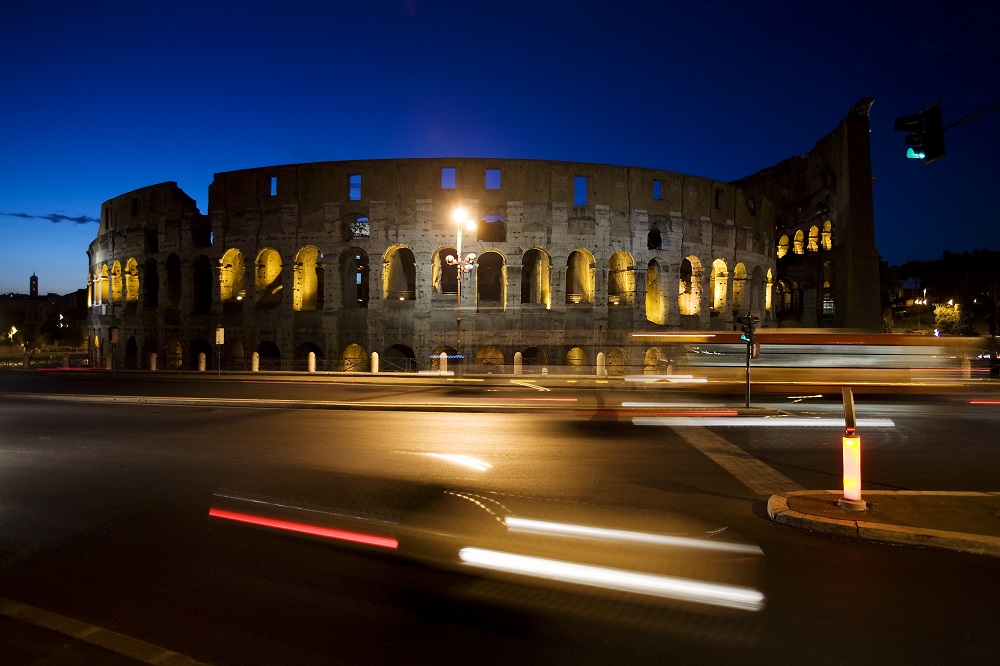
(530, 525)
(302, 528)
(715, 594)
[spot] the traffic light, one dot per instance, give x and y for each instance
(926, 133)
(748, 323)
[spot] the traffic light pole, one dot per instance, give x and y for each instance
(749, 349)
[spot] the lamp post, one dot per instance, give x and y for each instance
(462, 266)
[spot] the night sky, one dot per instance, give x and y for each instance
(100, 98)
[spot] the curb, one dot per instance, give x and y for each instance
(780, 512)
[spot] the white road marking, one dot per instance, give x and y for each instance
(757, 421)
(755, 475)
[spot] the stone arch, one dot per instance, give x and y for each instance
(355, 359)
(232, 277)
(105, 284)
(491, 280)
(173, 354)
(399, 358)
(201, 280)
(399, 274)
(354, 276)
(307, 283)
(826, 238)
(269, 355)
(768, 291)
(782, 246)
(621, 279)
(534, 356)
(116, 282)
(654, 239)
(798, 245)
(131, 353)
(616, 362)
(267, 279)
(656, 304)
(651, 361)
(444, 277)
(739, 288)
(303, 350)
(689, 283)
(576, 357)
(490, 355)
(450, 352)
(536, 278)
(174, 282)
(580, 282)
(719, 286)
(151, 285)
(201, 346)
(813, 243)
(131, 282)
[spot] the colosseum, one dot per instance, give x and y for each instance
(336, 265)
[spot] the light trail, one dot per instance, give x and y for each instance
(303, 528)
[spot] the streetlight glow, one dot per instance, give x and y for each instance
(462, 266)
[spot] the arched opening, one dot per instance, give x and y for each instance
(200, 346)
(269, 356)
(491, 280)
(719, 286)
(444, 277)
(305, 279)
(148, 349)
(399, 274)
(173, 282)
(398, 358)
(651, 361)
(131, 283)
(621, 279)
(616, 362)
(105, 285)
(826, 239)
(355, 359)
(232, 280)
(782, 246)
(798, 244)
(654, 240)
(302, 355)
(234, 355)
(813, 245)
(534, 357)
(450, 353)
(689, 296)
(739, 288)
(580, 278)
(576, 358)
(201, 274)
(151, 286)
(768, 290)
(131, 354)
(267, 279)
(354, 274)
(173, 355)
(490, 356)
(116, 282)
(656, 305)
(536, 280)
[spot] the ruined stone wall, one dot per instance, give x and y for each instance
(831, 185)
(276, 259)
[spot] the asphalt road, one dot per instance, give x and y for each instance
(104, 513)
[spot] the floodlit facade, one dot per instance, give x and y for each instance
(342, 259)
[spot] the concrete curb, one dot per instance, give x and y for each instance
(779, 511)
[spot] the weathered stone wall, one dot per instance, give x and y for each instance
(295, 207)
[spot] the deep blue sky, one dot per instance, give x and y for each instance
(100, 98)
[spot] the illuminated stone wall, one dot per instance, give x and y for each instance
(346, 258)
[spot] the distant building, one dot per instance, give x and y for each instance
(341, 259)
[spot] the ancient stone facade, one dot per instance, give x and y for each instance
(341, 259)
(827, 262)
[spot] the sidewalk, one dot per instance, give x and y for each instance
(962, 521)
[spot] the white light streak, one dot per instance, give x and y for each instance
(462, 460)
(530, 525)
(669, 587)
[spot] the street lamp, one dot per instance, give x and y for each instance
(462, 266)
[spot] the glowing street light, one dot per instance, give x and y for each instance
(462, 266)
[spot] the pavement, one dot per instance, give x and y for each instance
(962, 521)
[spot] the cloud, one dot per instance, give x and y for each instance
(54, 217)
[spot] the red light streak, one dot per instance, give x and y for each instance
(984, 402)
(533, 399)
(302, 528)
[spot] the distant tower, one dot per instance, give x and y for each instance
(33, 290)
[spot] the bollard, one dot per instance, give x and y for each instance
(152, 362)
(518, 364)
(852, 458)
(443, 362)
(602, 371)
(966, 368)
(202, 362)
(312, 361)
(255, 362)
(374, 363)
